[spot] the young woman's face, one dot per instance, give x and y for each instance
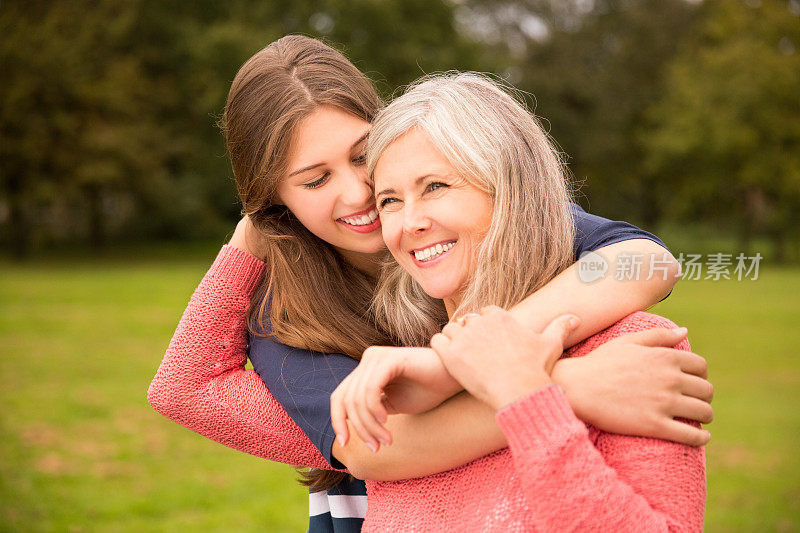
(327, 187)
(433, 220)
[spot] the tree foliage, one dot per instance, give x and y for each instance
(109, 107)
(666, 109)
(730, 115)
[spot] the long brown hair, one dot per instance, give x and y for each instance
(272, 92)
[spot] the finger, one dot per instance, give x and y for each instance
(560, 328)
(452, 329)
(387, 405)
(358, 425)
(371, 406)
(655, 337)
(439, 342)
(489, 309)
(693, 409)
(339, 411)
(683, 433)
(697, 388)
(465, 319)
(691, 363)
(370, 423)
(369, 382)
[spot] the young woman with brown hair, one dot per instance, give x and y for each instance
(305, 261)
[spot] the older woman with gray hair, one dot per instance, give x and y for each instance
(474, 205)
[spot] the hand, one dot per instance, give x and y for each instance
(497, 359)
(638, 384)
(387, 381)
(246, 237)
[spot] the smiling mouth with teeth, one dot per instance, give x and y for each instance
(361, 220)
(432, 252)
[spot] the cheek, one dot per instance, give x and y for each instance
(391, 230)
(481, 208)
(312, 210)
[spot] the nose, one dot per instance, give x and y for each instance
(356, 188)
(415, 218)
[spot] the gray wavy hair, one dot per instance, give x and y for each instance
(497, 145)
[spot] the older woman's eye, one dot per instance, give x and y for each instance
(386, 201)
(436, 185)
(360, 160)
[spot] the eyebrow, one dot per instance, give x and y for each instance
(416, 182)
(311, 167)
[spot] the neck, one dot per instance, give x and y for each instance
(451, 304)
(369, 264)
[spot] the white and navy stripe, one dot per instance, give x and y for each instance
(340, 509)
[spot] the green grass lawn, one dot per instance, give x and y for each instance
(80, 449)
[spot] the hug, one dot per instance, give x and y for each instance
(436, 371)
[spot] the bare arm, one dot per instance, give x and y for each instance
(603, 302)
(460, 430)
(588, 301)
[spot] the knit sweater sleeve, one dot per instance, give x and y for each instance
(202, 382)
(580, 479)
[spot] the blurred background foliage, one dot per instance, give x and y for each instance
(671, 112)
(681, 116)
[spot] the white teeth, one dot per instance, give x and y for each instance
(362, 220)
(432, 251)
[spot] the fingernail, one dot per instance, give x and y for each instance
(680, 331)
(573, 322)
(383, 441)
(340, 439)
(371, 447)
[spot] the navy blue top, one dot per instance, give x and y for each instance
(302, 381)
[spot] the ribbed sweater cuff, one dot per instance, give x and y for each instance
(236, 265)
(541, 417)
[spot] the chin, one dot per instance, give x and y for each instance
(372, 247)
(438, 291)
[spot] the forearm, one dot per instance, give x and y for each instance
(600, 303)
(620, 484)
(202, 383)
(460, 430)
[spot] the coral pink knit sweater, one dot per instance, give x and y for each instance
(556, 475)
(202, 383)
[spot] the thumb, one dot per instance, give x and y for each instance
(561, 327)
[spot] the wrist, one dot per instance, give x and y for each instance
(566, 374)
(514, 390)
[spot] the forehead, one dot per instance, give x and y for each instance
(328, 132)
(407, 158)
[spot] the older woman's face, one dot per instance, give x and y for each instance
(433, 220)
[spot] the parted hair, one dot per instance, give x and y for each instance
(315, 299)
(497, 145)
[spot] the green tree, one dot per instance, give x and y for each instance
(593, 68)
(108, 108)
(727, 134)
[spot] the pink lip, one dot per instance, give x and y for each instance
(430, 262)
(368, 228)
(359, 213)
